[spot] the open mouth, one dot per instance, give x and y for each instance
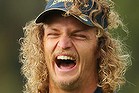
(65, 62)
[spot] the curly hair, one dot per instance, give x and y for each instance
(112, 64)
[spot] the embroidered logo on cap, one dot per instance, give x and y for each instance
(83, 17)
(59, 1)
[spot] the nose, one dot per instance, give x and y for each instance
(65, 42)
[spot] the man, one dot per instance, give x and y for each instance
(68, 49)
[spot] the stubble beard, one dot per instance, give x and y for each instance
(68, 85)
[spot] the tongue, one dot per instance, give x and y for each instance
(67, 66)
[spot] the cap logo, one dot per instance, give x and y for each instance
(59, 1)
(83, 17)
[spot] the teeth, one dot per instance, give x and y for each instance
(65, 58)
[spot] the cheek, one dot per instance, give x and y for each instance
(49, 46)
(48, 52)
(88, 61)
(87, 49)
(87, 54)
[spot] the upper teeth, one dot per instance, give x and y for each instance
(65, 58)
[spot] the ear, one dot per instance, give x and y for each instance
(98, 54)
(101, 42)
(101, 45)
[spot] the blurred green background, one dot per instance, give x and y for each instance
(15, 13)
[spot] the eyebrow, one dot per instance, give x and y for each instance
(52, 28)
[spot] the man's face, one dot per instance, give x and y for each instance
(70, 52)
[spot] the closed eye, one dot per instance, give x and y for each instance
(79, 36)
(52, 35)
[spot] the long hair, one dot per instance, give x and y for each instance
(112, 64)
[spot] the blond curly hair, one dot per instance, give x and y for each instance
(112, 64)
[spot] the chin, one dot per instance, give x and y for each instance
(69, 83)
(66, 82)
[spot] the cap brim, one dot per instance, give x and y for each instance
(43, 15)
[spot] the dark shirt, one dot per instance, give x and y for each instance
(98, 90)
